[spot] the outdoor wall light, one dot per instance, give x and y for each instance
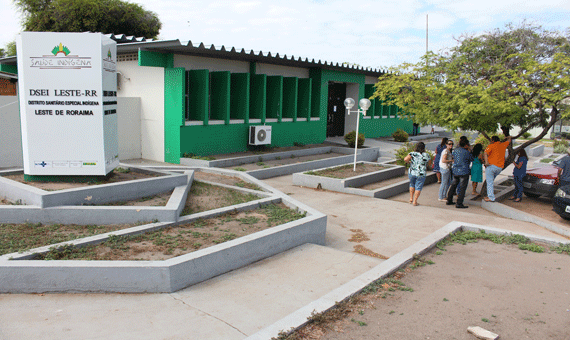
(364, 104)
(349, 103)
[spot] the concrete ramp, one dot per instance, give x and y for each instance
(234, 305)
(286, 281)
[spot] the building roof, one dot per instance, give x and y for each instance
(212, 51)
(6, 75)
(131, 44)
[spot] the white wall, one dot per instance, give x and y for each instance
(10, 133)
(278, 70)
(370, 80)
(212, 64)
(350, 120)
(129, 127)
(147, 83)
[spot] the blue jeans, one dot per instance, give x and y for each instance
(445, 182)
(491, 172)
(417, 182)
(518, 186)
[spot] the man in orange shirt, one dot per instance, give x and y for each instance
(494, 162)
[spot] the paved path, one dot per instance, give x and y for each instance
(240, 303)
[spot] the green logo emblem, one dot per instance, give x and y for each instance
(60, 49)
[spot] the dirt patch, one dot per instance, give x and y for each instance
(516, 294)
(115, 177)
(360, 249)
(204, 196)
(384, 183)
(228, 180)
(181, 239)
(159, 200)
(348, 170)
(537, 206)
(285, 161)
(21, 237)
(358, 236)
(4, 201)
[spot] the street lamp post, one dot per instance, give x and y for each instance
(364, 104)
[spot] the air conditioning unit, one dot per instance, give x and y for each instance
(259, 135)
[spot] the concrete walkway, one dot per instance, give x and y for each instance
(240, 303)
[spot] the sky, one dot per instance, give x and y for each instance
(375, 34)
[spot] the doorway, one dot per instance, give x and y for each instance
(336, 110)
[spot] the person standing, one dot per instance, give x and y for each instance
(477, 167)
(494, 157)
(419, 160)
(438, 151)
(461, 171)
(518, 173)
(564, 169)
(445, 162)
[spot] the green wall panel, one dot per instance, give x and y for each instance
(217, 139)
(198, 84)
(382, 127)
(274, 97)
(220, 96)
(156, 59)
(9, 68)
(316, 76)
(174, 109)
(290, 93)
(239, 94)
(258, 97)
(369, 92)
(304, 98)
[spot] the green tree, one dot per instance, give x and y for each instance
(8, 50)
(105, 16)
(513, 77)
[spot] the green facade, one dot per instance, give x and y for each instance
(210, 113)
(9, 68)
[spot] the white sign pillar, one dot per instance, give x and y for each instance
(68, 103)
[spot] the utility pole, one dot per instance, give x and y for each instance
(426, 38)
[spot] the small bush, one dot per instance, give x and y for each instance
(402, 152)
(526, 135)
(558, 142)
(351, 136)
(560, 148)
(400, 135)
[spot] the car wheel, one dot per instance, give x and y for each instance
(531, 195)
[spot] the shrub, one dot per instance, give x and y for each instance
(562, 142)
(351, 136)
(400, 135)
(402, 152)
(560, 148)
(526, 135)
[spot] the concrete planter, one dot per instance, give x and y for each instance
(20, 274)
(340, 184)
(363, 155)
(351, 185)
